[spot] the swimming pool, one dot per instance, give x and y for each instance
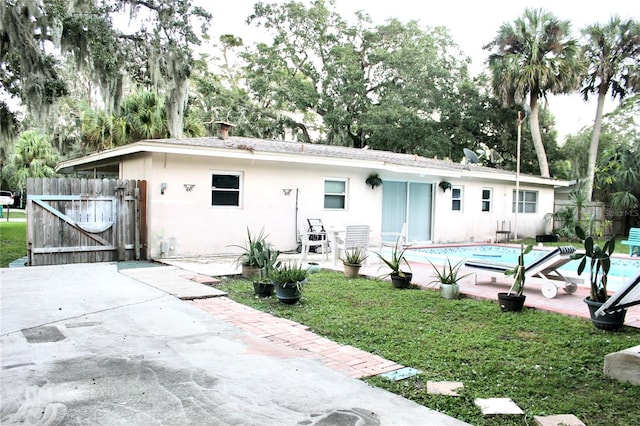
(621, 268)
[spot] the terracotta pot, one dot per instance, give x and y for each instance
(351, 270)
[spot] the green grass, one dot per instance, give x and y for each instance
(12, 214)
(547, 363)
(13, 241)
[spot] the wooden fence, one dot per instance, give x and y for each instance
(72, 220)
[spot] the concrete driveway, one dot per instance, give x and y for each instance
(84, 344)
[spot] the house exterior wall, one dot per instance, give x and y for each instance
(184, 223)
(473, 224)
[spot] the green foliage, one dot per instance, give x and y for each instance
(355, 256)
(13, 241)
(33, 156)
(542, 361)
(599, 261)
(258, 253)
(449, 274)
(534, 56)
(288, 273)
(519, 272)
(395, 261)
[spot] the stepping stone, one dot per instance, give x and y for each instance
(558, 420)
(491, 406)
(400, 374)
(202, 279)
(444, 388)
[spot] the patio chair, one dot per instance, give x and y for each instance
(503, 228)
(546, 267)
(389, 239)
(313, 237)
(627, 296)
(355, 236)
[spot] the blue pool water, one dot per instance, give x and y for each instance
(621, 268)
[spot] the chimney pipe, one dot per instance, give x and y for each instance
(224, 127)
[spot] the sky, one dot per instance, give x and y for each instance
(471, 23)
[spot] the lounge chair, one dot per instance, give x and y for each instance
(546, 267)
(628, 295)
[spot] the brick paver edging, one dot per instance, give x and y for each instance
(352, 361)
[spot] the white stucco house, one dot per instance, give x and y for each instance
(203, 193)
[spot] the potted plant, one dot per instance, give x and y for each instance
(251, 251)
(267, 261)
(400, 278)
(288, 279)
(448, 279)
(352, 261)
(599, 265)
(513, 300)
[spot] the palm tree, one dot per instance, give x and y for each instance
(612, 52)
(534, 56)
(34, 156)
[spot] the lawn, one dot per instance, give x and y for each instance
(13, 241)
(547, 363)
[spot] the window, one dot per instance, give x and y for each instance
(335, 194)
(527, 202)
(486, 199)
(456, 198)
(225, 189)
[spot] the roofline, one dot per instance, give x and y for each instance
(151, 146)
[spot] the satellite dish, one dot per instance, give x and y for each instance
(470, 156)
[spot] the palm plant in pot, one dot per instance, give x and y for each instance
(251, 251)
(352, 261)
(599, 265)
(513, 300)
(399, 278)
(448, 279)
(289, 278)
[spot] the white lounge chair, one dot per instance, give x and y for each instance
(545, 267)
(627, 296)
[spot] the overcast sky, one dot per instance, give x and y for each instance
(471, 23)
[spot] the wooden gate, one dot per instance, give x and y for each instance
(72, 220)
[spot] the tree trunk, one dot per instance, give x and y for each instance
(536, 136)
(595, 141)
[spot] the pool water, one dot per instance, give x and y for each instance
(621, 268)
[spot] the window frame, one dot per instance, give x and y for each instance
(458, 199)
(516, 202)
(489, 200)
(239, 190)
(344, 195)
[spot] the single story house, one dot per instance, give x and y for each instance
(204, 193)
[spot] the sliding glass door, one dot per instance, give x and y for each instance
(409, 202)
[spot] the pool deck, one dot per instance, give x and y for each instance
(477, 286)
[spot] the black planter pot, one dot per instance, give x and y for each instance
(399, 281)
(289, 293)
(609, 322)
(263, 289)
(511, 302)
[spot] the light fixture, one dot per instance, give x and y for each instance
(163, 187)
(189, 186)
(287, 191)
